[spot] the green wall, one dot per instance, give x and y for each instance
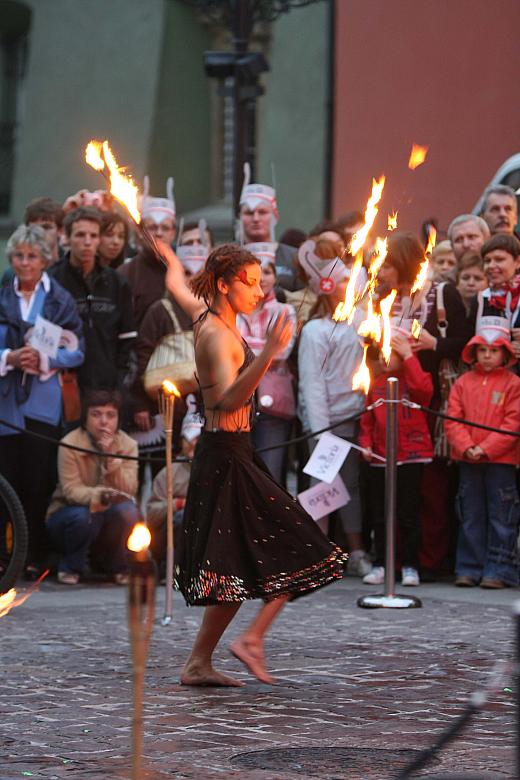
(293, 115)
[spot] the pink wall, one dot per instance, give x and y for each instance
(442, 73)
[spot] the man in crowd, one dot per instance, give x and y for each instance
(104, 302)
(145, 272)
(500, 209)
(48, 214)
(467, 233)
(257, 222)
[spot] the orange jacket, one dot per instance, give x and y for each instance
(491, 399)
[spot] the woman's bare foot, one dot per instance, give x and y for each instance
(205, 675)
(251, 653)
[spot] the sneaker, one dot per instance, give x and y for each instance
(410, 576)
(359, 564)
(376, 576)
(68, 577)
(121, 578)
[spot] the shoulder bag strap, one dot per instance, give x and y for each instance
(442, 322)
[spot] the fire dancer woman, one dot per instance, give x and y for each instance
(244, 536)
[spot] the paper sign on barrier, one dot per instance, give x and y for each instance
(327, 457)
(324, 498)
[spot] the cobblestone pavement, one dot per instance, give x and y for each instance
(376, 680)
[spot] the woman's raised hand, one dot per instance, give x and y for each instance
(279, 334)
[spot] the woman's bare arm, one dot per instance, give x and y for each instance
(224, 389)
(176, 284)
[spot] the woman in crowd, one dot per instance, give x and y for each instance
(328, 356)
(471, 278)
(501, 256)
(93, 509)
(244, 536)
(113, 239)
(275, 395)
(33, 350)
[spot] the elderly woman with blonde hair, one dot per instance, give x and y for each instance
(40, 334)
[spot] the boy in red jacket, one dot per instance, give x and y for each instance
(414, 447)
(488, 503)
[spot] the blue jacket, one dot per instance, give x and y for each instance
(29, 396)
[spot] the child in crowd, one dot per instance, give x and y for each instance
(443, 262)
(471, 278)
(414, 448)
(488, 499)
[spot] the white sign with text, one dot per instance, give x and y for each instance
(324, 498)
(45, 337)
(327, 457)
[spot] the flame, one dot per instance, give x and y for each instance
(169, 388)
(421, 276)
(417, 156)
(416, 329)
(385, 306)
(432, 239)
(371, 326)
(93, 155)
(140, 538)
(359, 238)
(361, 379)
(122, 187)
(10, 600)
(392, 221)
(346, 308)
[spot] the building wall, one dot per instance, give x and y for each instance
(293, 115)
(436, 72)
(91, 74)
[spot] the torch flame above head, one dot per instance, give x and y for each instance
(361, 379)
(140, 538)
(385, 306)
(122, 187)
(169, 388)
(417, 156)
(392, 221)
(432, 239)
(359, 238)
(371, 326)
(380, 253)
(346, 308)
(93, 155)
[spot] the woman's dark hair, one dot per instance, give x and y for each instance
(405, 254)
(469, 260)
(504, 241)
(110, 219)
(222, 263)
(100, 398)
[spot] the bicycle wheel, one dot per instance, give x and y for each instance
(13, 536)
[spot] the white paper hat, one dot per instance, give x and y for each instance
(255, 195)
(491, 328)
(264, 250)
(325, 275)
(157, 209)
(193, 258)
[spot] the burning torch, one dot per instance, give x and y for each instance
(141, 602)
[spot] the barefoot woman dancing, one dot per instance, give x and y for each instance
(244, 537)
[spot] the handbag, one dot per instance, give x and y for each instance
(275, 393)
(173, 358)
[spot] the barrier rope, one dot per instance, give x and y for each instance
(295, 440)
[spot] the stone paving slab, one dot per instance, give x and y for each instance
(347, 678)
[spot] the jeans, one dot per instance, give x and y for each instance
(489, 510)
(74, 531)
(267, 431)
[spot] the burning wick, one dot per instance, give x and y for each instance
(139, 541)
(417, 156)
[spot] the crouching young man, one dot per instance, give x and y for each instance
(92, 510)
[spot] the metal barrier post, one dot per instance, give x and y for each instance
(389, 599)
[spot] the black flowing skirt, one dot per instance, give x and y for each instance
(245, 537)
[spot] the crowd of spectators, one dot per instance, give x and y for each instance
(85, 315)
